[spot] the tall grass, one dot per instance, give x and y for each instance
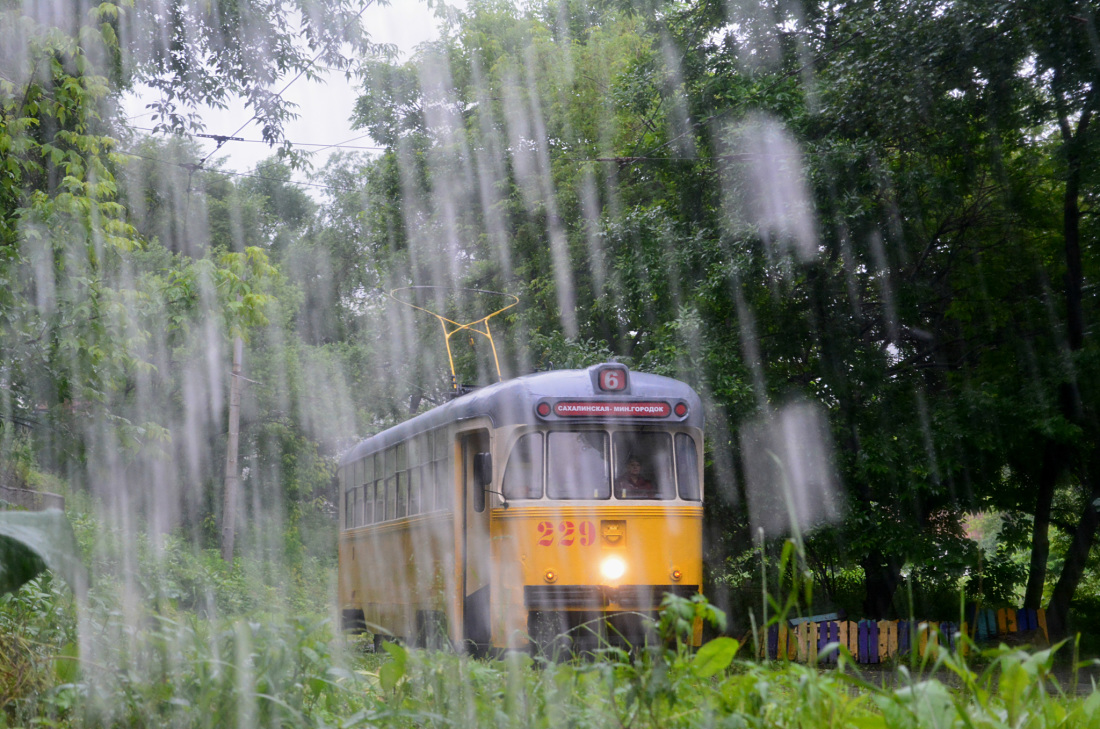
(186, 671)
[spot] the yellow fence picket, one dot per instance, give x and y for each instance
(807, 642)
(788, 643)
(887, 639)
(929, 636)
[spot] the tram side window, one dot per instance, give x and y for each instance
(349, 508)
(443, 478)
(366, 504)
(579, 466)
(354, 473)
(687, 467)
(390, 482)
(402, 508)
(523, 474)
(643, 465)
(400, 499)
(415, 459)
(426, 492)
(379, 501)
(345, 478)
(415, 491)
(366, 477)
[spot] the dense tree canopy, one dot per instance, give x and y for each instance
(873, 218)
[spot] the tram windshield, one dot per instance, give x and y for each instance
(643, 466)
(579, 466)
(596, 465)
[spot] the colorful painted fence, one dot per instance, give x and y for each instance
(871, 641)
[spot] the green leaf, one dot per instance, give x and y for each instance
(715, 656)
(67, 664)
(31, 541)
(391, 673)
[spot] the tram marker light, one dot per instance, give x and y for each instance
(550, 576)
(543, 409)
(677, 575)
(681, 410)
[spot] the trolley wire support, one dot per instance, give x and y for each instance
(471, 326)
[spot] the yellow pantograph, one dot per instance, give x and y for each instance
(471, 326)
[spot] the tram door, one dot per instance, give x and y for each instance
(476, 552)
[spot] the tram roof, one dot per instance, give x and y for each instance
(512, 402)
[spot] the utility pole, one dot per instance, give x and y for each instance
(232, 479)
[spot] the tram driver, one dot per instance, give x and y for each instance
(631, 484)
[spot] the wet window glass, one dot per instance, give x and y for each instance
(579, 467)
(402, 495)
(444, 485)
(523, 474)
(368, 503)
(687, 467)
(390, 463)
(427, 489)
(345, 481)
(379, 501)
(442, 445)
(349, 509)
(391, 497)
(414, 491)
(643, 466)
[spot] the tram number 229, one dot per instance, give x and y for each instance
(568, 533)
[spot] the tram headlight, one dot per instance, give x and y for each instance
(612, 568)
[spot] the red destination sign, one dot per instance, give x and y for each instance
(583, 409)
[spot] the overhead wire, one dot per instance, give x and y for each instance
(193, 167)
(279, 94)
(321, 147)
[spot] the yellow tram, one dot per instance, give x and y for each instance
(559, 503)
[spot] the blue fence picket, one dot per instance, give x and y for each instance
(773, 642)
(827, 632)
(987, 624)
(948, 630)
(904, 637)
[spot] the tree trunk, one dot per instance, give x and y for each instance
(1083, 537)
(881, 577)
(1040, 539)
(1071, 228)
(232, 479)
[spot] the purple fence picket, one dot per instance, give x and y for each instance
(773, 642)
(904, 637)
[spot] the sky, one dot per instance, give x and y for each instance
(324, 109)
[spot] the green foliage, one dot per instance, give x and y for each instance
(187, 672)
(37, 624)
